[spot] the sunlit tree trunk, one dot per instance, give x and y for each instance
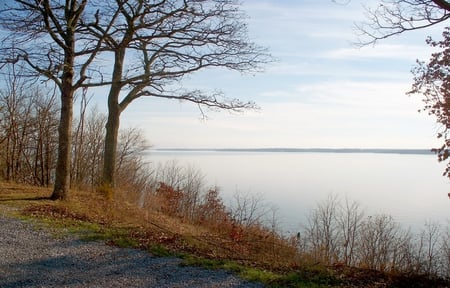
(62, 176)
(111, 139)
(113, 122)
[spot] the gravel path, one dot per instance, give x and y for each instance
(33, 258)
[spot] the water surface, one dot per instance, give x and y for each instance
(410, 187)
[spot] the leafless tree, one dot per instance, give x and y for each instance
(188, 181)
(88, 143)
(43, 34)
(44, 137)
(16, 122)
(445, 251)
(380, 240)
(131, 144)
(394, 17)
(322, 231)
(29, 125)
(133, 172)
(155, 44)
(80, 145)
(349, 221)
(249, 209)
(170, 173)
(338, 232)
(193, 190)
(428, 249)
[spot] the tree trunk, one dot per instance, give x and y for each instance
(442, 4)
(113, 122)
(62, 177)
(62, 180)
(111, 139)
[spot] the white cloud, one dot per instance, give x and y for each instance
(287, 21)
(333, 114)
(321, 69)
(322, 92)
(382, 51)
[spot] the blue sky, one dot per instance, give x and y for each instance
(323, 91)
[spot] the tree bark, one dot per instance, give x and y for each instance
(443, 4)
(113, 122)
(62, 176)
(168, 40)
(111, 138)
(62, 179)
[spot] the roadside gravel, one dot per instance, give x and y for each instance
(31, 257)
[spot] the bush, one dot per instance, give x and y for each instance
(339, 233)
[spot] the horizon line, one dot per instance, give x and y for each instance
(317, 150)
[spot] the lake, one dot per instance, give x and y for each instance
(409, 187)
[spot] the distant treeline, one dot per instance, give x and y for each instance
(305, 150)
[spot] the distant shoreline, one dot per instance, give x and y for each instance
(301, 150)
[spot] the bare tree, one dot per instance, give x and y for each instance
(28, 123)
(16, 122)
(193, 190)
(249, 209)
(88, 143)
(171, 174)
(427, 259)
(349, 220)
(43, 34)
(79, 148)
(445, 251)
(155, 44)
(394, 17)
(322, 231)
(44, 137)
(377, 241)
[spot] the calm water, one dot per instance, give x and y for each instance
(408, 187)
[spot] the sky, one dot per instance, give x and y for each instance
(321, 92)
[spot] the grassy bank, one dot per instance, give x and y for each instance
(255, 253)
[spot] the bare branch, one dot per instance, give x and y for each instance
(394, 17)
(215, 100)
(443, 4)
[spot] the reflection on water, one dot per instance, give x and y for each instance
(408, 187)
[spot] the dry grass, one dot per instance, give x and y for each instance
(119, 222)
(16, 193)
(148, 229)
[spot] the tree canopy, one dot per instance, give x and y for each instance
(154, 45)
(135, 47)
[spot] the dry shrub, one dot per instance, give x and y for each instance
(338, 233)
(106, 191)
(223, 235)
(212, 211)
(170, 199)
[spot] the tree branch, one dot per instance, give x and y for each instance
(214, 100)
(443, 4)
(394, 17)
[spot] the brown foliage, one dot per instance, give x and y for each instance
(58, 212)
(433, 82)
(170, 197)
